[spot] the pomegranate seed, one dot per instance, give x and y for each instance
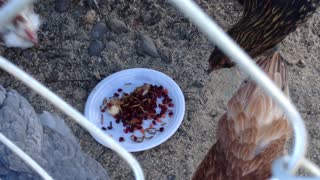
(103, 110)
(109, 127)
(161, 129)
(131, 129)
(139, 127)
(109, 105)
(135, 138)
(126, 94)
(154, 122)
(126, 130)
(116, 94)
(117, 121)
(119, 90)
(103, 128)
(171, 105)
(121, 139)
(170, 114)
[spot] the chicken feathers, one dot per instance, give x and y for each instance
(253, 131)
(263, 25)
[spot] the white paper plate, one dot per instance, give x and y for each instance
(137, 77)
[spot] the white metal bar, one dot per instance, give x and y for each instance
(11, 9)
(234, 52)
(67, 109)
(27, 159)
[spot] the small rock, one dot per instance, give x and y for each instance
(112, 46)
(171, 177)
(62, 5)
(165, 56)
(110, 36)
(301, 63)
(117, 26)
(197, 84)
(91, 4)
(27, 54)
(95, 48)
(97, 75)
(151, 18)
(89, 17)
(147, 46)
(98, 31)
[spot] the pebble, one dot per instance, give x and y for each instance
(27, 54)
(98, 31)
(62, 5)
(95, 48)
(147, 46)
(89, 17)
(171, 177)
(165, 56)
(110, 36)
(117, 26)
(301, 64)
(151, 18)
(197, 84)
(112, 46)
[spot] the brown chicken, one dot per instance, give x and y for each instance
(252, 133)
(263, 25)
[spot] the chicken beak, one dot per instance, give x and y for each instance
(32, 36)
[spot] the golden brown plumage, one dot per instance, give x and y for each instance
(264, 24)
(252, 133)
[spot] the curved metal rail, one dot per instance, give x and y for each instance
(6, 14)
(224, 42)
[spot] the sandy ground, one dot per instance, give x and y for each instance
(62, 63)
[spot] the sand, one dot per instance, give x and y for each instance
(62, 63)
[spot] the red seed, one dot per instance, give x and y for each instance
(135, 138)
(126, 130)
(171, 105)
(103, 110)
(119, 90)
(121, 139)
(117, 121)
(103, 128)
(109, 127)
(116, 94)
(154, 122)
(139, 127)
(170, 114)
(165, 91)
(161, 129)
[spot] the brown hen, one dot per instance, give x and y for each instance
(252, 133)
(263, 25)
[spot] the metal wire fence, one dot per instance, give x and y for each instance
(284, 168)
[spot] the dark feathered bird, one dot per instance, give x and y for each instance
(264, 24)
(252, 133)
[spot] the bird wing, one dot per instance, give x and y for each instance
(253, 131)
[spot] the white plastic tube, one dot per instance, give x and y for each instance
(234, 52)
(27, 159)
(74, 114)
